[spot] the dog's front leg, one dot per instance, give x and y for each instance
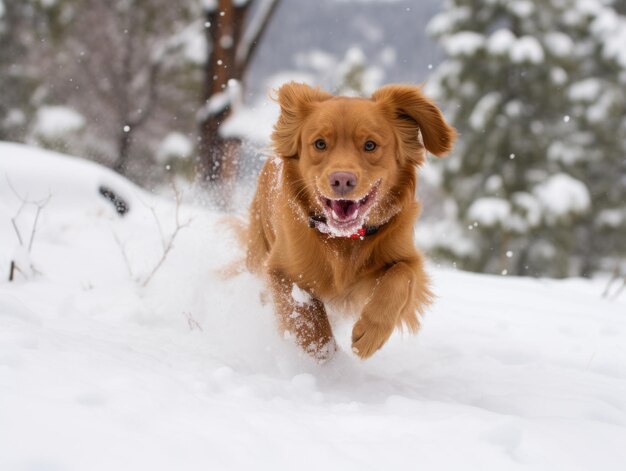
(302, 316)
(393, 293)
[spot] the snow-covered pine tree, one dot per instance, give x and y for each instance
(596, 151)
(505, 86)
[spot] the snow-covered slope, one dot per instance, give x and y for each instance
(99, 373)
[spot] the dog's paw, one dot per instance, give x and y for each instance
(322, 351)
(368, 337)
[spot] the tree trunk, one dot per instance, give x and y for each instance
(223, 27)
(230, 53)
(123, 149)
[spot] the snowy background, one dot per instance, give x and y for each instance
(124, 344)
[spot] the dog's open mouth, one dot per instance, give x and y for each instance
(346, 216)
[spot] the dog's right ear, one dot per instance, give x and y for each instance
(296, 101)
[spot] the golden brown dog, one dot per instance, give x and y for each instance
(332, 219)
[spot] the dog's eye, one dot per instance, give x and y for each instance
(369, 146)
(320, 144)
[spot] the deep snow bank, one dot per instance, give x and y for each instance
(98, 372)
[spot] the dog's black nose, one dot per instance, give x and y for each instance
(342, 183)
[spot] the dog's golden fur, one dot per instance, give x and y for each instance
(380, 277)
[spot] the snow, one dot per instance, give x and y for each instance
(562, 195)
(445, 235)
(489, 211)
(254, 122)
(99, 373)
(600, 110)
(464, 43)
(614, 47)
(209, 5)
(530, 207)
(194, 46)
(567, 153)
(559, 44)
(219, 102)
(612, 218)
(175, 144)
(558, 76)
(54, 122)
(585, 91)
(611, 29)
(484, 110)
(445, 22)
(520, 8)
(605, 22)
(500, 42)
(300, 296)
(527, 49)
(316, 59)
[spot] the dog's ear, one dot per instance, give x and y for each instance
(296, 101)
(410, 110)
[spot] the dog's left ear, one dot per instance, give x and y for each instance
(296, 101)
(410, 110)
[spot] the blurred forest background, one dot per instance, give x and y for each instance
(153, 89)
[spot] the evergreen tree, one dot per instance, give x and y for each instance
(598, 145)
(506, 84)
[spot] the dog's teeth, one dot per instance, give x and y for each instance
(354, 216)
(335, 216)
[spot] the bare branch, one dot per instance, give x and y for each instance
(17, 231)
(13, 190)
(166, 252)
(157, 221)
(12, 270)
(254, 34)
(25, 201)
(170, 242)
(40, 205)
(122, 248)
(159, 227)
(620, 289)
(616, 276)
(191, 322)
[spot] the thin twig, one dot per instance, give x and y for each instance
(25, 201)
(254, 33)
(12, 270)
(614, 276)
(122, 248)
(170, 243)
(159, 227)
(166, 251)
(620, 289)
(17, 231)
(17, 195)
(191, 322)
(40, 205)
(157, 221)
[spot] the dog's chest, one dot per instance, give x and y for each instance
(336, 276)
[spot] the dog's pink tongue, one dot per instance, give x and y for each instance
(344, 209)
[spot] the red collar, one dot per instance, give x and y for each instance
(319, 223)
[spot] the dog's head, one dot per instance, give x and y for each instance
(354, 159)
